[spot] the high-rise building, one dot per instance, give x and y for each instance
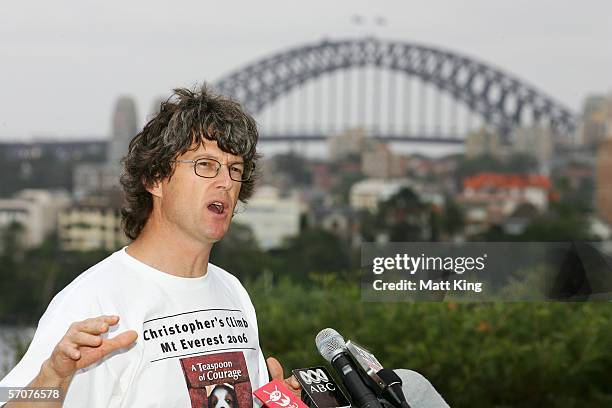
(604, 180)
(93, 178)
(381, 162)
(596, 115)
(125, 127)
(482, 142)
(535, 141)
(350, 143)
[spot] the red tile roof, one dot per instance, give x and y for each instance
(506, 181)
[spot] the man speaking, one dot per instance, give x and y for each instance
(155, 324)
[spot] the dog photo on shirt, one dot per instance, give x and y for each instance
(218, 380)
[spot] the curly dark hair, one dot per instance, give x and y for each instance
(183, 122)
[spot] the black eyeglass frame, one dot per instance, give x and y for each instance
(248, 170)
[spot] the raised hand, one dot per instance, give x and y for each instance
(83, 345)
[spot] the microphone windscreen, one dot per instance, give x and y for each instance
(419, 392)
(329, 343)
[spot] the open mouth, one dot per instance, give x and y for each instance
(216, 207)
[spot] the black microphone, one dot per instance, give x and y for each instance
(392, 388)
(319, 390)
(332, 347)
(386, 382)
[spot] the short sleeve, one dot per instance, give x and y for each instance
(73, 304)
(51, 328)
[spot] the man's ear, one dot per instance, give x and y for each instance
(155, 188)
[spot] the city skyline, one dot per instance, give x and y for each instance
(94, 52)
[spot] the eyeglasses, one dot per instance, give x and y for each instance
(209, 168)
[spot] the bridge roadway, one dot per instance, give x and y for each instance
(442, 139)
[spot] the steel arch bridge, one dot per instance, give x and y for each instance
(502, 100)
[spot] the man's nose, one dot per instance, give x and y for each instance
(223, 179)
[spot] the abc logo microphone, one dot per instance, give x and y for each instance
(316, 379)
(319, 390)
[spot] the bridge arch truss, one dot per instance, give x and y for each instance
(502, 100)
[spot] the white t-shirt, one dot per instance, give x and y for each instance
(197, 338)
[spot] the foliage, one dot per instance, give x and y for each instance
(477, 355)
(29, 278)
(342, 186)
(453, 220)
(239, 252)
(313, 250)
(563, 222)
(581, 197)
(403, 217)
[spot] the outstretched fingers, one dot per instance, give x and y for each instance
(83, 345)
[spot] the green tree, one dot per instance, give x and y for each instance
(12, 280)
(564, 222)
(342, 187)
(239, 253)
(29, 278)
(476, 355)
(403, 217)
(453, 220)
(313, 250)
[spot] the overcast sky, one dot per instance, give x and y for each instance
(64, 62)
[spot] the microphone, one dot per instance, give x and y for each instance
(395, 385)
(319, 390)
(392, 388)
(386, 382)
(332, 347)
